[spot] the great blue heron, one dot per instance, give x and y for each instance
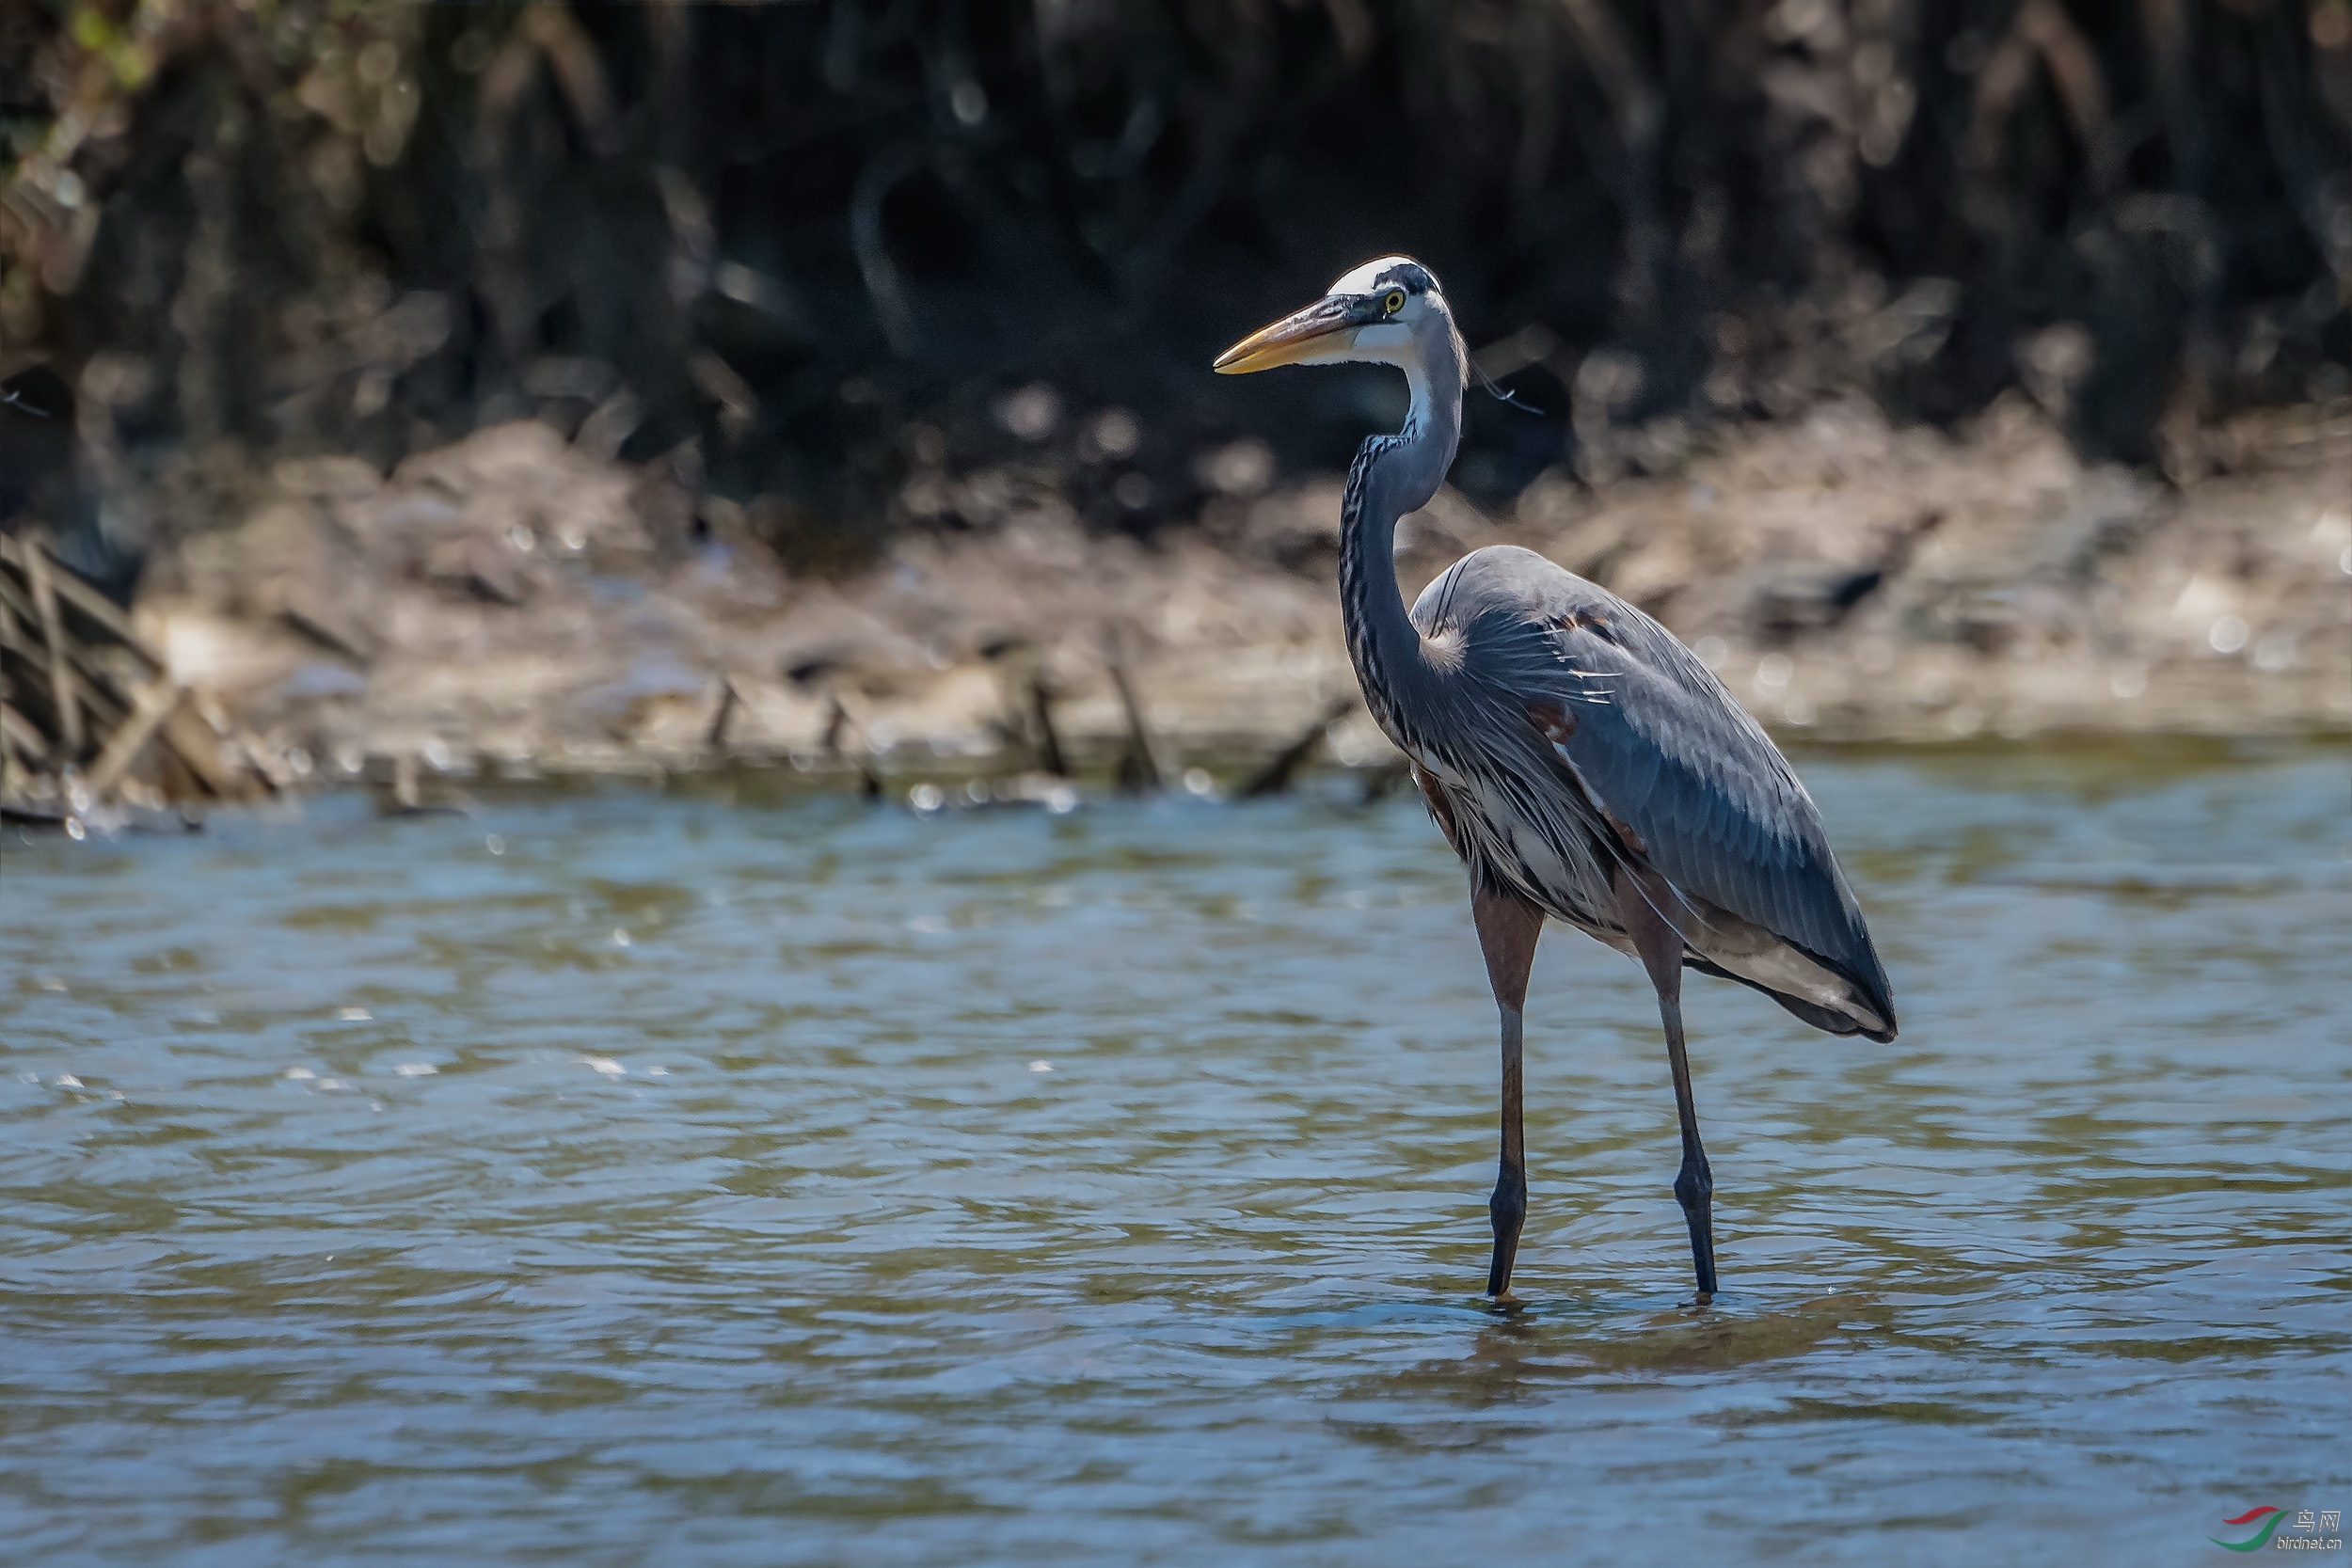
(1582, 762)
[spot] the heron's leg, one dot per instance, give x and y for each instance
(1508, 925)
(1653, 913)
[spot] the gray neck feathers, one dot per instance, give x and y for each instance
(1394, 475)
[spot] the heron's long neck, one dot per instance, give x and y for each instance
(1392, 475)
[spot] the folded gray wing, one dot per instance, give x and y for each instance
(1665, 749)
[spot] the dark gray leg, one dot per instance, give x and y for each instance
(1508, 925)
(1653, 913)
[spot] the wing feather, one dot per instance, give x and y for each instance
(1662, 747)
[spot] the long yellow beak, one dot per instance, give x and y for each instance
(1325, 325)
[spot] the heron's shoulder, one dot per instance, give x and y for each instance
(1506, 580)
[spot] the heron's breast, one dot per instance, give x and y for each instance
(1522, 835)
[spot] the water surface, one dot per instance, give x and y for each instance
(629, 1177)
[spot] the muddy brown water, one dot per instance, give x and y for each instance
(736, 1176)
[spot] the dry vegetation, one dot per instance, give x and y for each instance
(1951, 364)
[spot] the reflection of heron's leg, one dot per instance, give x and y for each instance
(1650, 908)
(1508, 925)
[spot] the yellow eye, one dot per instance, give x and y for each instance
(1394, 303)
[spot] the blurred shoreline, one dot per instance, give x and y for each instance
(451, 390)
(515, 604)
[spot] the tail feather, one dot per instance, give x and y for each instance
(1828, 1020)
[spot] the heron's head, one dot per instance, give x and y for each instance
(1385, 312)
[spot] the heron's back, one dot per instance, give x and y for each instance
(1576, 729)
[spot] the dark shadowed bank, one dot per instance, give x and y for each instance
(603, 383)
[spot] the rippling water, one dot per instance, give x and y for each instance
(699, 1180)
